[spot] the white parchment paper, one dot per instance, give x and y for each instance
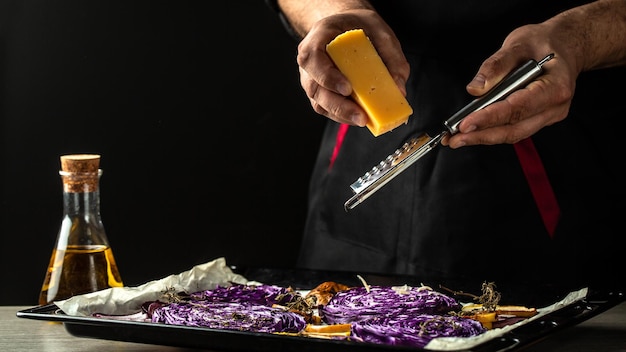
(458, 343)
(128, 300)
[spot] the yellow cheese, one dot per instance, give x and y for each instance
(373, 88)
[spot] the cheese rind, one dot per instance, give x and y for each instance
(373, 88)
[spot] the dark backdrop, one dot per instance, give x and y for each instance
(206, 137)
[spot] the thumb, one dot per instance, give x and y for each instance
(477, 85)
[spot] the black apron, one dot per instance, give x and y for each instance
(469, 213)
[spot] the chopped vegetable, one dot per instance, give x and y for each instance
(267, 295)
(414, 330)
(358, 304)
(229, 316)
(237, 307)
(402, 315)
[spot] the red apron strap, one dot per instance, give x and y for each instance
(539, 184)
(341, 133)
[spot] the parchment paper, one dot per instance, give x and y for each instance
(128, 300)
(456, 343)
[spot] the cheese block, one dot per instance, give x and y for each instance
(373, 88)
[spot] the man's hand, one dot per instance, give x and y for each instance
(584, 38)
(328, 89)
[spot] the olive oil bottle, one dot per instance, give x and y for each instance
(82, 260)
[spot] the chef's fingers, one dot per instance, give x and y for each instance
(492, 71)
(331, 104)
(503, 134)
(520, 115)
(326, 87)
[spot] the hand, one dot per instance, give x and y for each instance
(541, 103)
(327, 88)
(588, 37)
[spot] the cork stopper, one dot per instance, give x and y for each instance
(80, 162)
(80, 172)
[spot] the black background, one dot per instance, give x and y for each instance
(207, 139)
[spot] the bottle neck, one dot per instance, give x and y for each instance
(81, 203)
(81, 193)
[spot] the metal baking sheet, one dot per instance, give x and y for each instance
(597, 301)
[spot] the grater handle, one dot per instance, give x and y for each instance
(514, 81)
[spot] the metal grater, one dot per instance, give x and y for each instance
(417, 147)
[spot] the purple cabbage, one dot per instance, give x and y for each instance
(405, 316)
(237, 307)
(357, 304)
(414, 330)
(230, 316)
(254, 294)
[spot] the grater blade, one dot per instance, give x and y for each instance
(393, 165)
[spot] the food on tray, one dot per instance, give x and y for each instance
(489, 312)
(373, 88)
(499, 316)
(398, 315)
(260, 308)
(414, 330)
(394, 315)
(324, 292)
(362, 303)
(229, 316)
(518, 311)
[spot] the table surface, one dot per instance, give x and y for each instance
(604, 332)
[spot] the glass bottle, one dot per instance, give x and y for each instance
(82, 260)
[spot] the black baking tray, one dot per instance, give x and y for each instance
(597, 300)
